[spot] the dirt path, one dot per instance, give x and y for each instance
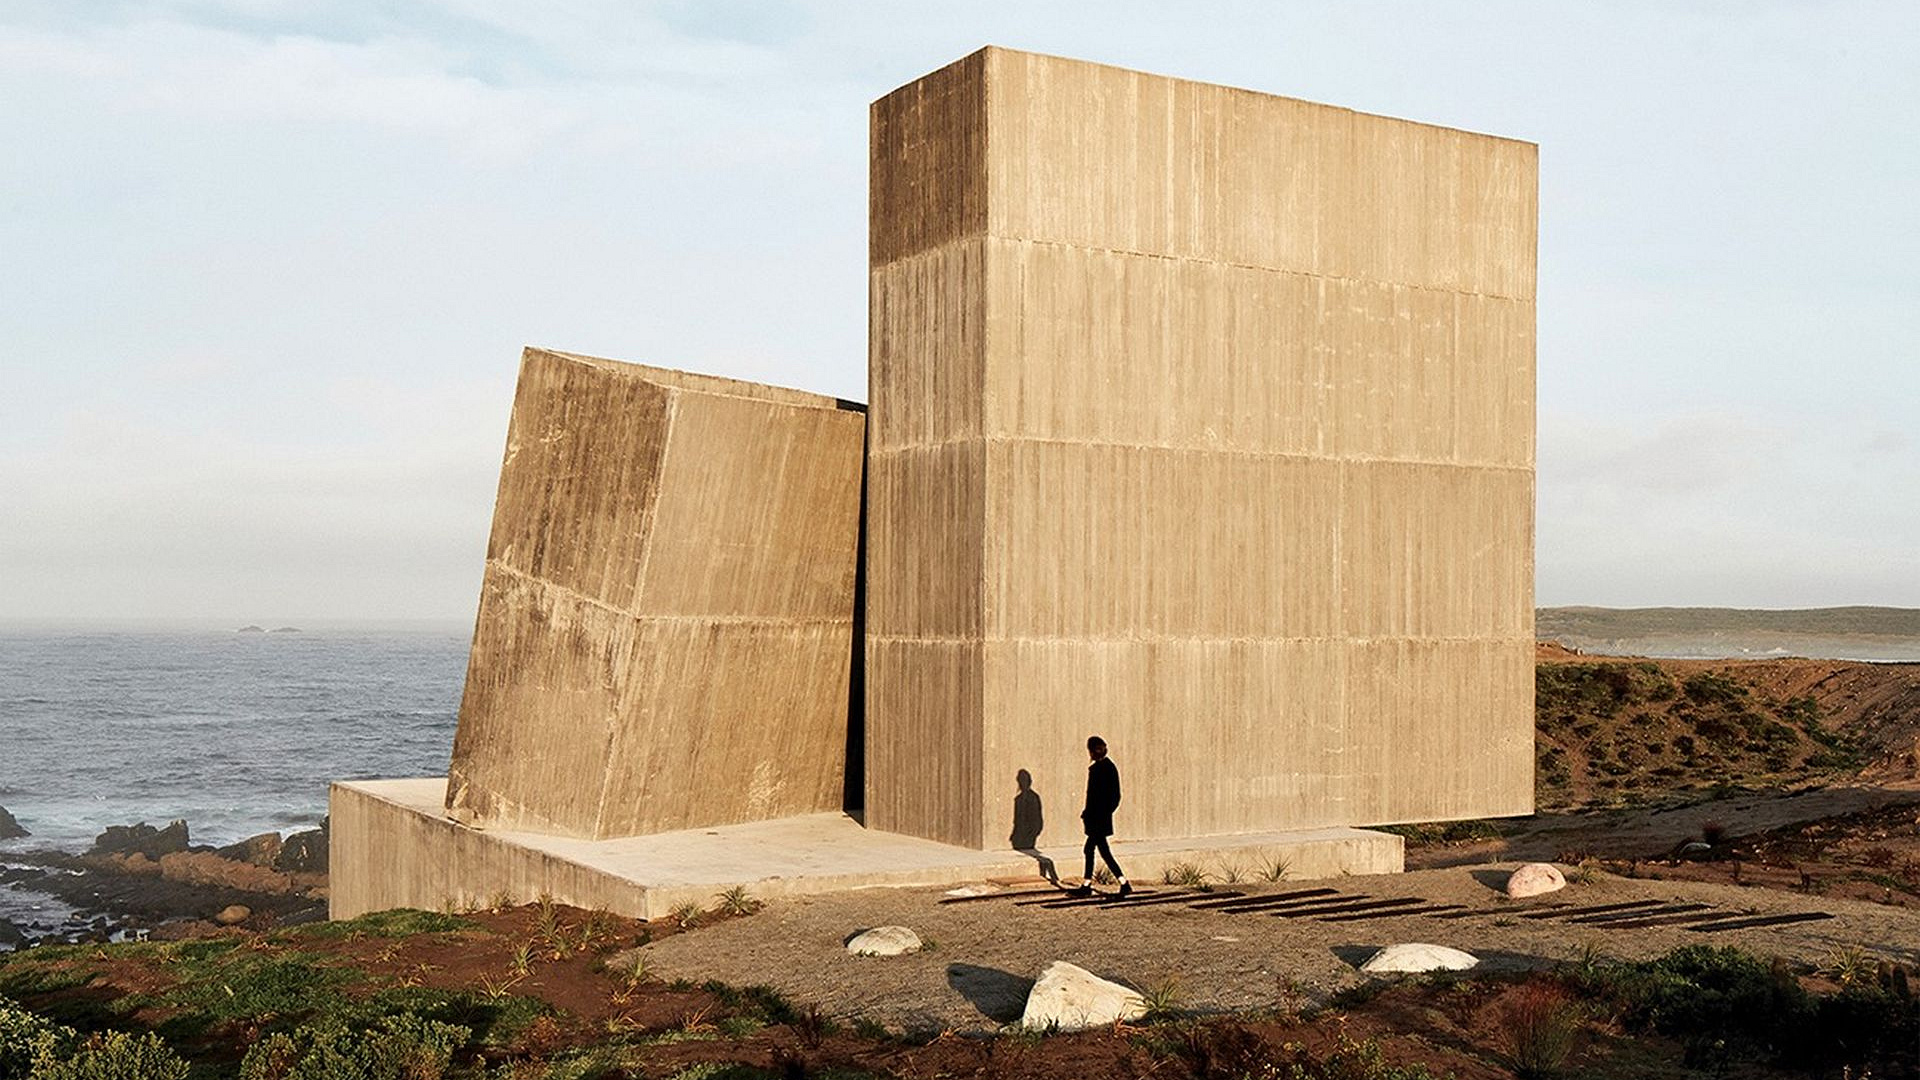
(986, 953)
(1646, 833)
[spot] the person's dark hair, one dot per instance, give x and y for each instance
(1095, 742)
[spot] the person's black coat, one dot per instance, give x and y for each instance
(1103, 797)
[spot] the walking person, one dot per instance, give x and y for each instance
(1103, 798)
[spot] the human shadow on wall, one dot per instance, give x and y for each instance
(1029, 819)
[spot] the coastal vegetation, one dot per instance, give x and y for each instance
(425, 996)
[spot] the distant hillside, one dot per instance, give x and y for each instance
(1612, 730)
(1860, 633)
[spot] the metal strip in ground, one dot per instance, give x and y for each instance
(1152, 901)
(1618, 916)
(1136, 900)
(1291, 905)
(1762, 920)
(1667, 920)
(1263, 900)
(1068, 896)
(1595, 909)
(1341, 909)
(1088, 901)
(1389, 914)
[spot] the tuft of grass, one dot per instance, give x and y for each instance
(1274, 866)
(1185, 874)
(735, 901)
(686, 915)
(1541, 1024)
(1849, 966)
(1163, 1001)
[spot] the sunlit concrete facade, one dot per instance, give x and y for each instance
(1203, 420)
(665, 634)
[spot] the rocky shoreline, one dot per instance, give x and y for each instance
(138, 881)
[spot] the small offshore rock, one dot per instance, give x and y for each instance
(884, 941)
(1416, 956)
(233, 915)
(143, 838)
(303, 852)
(9, 828)
(1535, 879)
(261, 850)
(1070, 998)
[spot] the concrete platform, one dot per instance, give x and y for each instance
(392, 846)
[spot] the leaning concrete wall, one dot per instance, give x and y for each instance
(665, 628)
(1203, 420)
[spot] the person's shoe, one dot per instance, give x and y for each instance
(1126, 888)
(1082, 890)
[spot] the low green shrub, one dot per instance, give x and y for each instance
(1725, 1006)
(113, 1055)
(25, 1037)
(33, 1047)
(393, 1048)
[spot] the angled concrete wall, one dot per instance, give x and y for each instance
(1202, 420)
(665, 629)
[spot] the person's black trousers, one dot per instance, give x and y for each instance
(1099, 844)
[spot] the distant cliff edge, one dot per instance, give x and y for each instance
(1852, 633)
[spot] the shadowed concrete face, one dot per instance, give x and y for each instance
(1202, 419)
(665, 628)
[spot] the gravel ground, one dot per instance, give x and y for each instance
(984, 955)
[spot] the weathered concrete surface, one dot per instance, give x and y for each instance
(665, 629)
(393, 846)
(1201, 420)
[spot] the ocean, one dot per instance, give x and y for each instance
(236, 733)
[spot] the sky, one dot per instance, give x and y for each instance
(266, 266)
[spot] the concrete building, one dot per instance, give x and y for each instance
(1203, 420)
(665, 636)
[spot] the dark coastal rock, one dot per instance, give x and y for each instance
(142, 838)
(262, 850)
(11, 936)
(9, 828)
(304, 852)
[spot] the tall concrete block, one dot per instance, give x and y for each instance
(1202, 420)
(665, 631)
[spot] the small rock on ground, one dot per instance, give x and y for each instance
(1415, 956)
(1535, 879)
(884, 941)
(1069, 998)
(233, 915)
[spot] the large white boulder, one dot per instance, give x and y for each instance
(1535, 879)
(1069, 998)
(1415, 956)
(884, 941)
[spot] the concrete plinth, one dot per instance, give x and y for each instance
(393, 846)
